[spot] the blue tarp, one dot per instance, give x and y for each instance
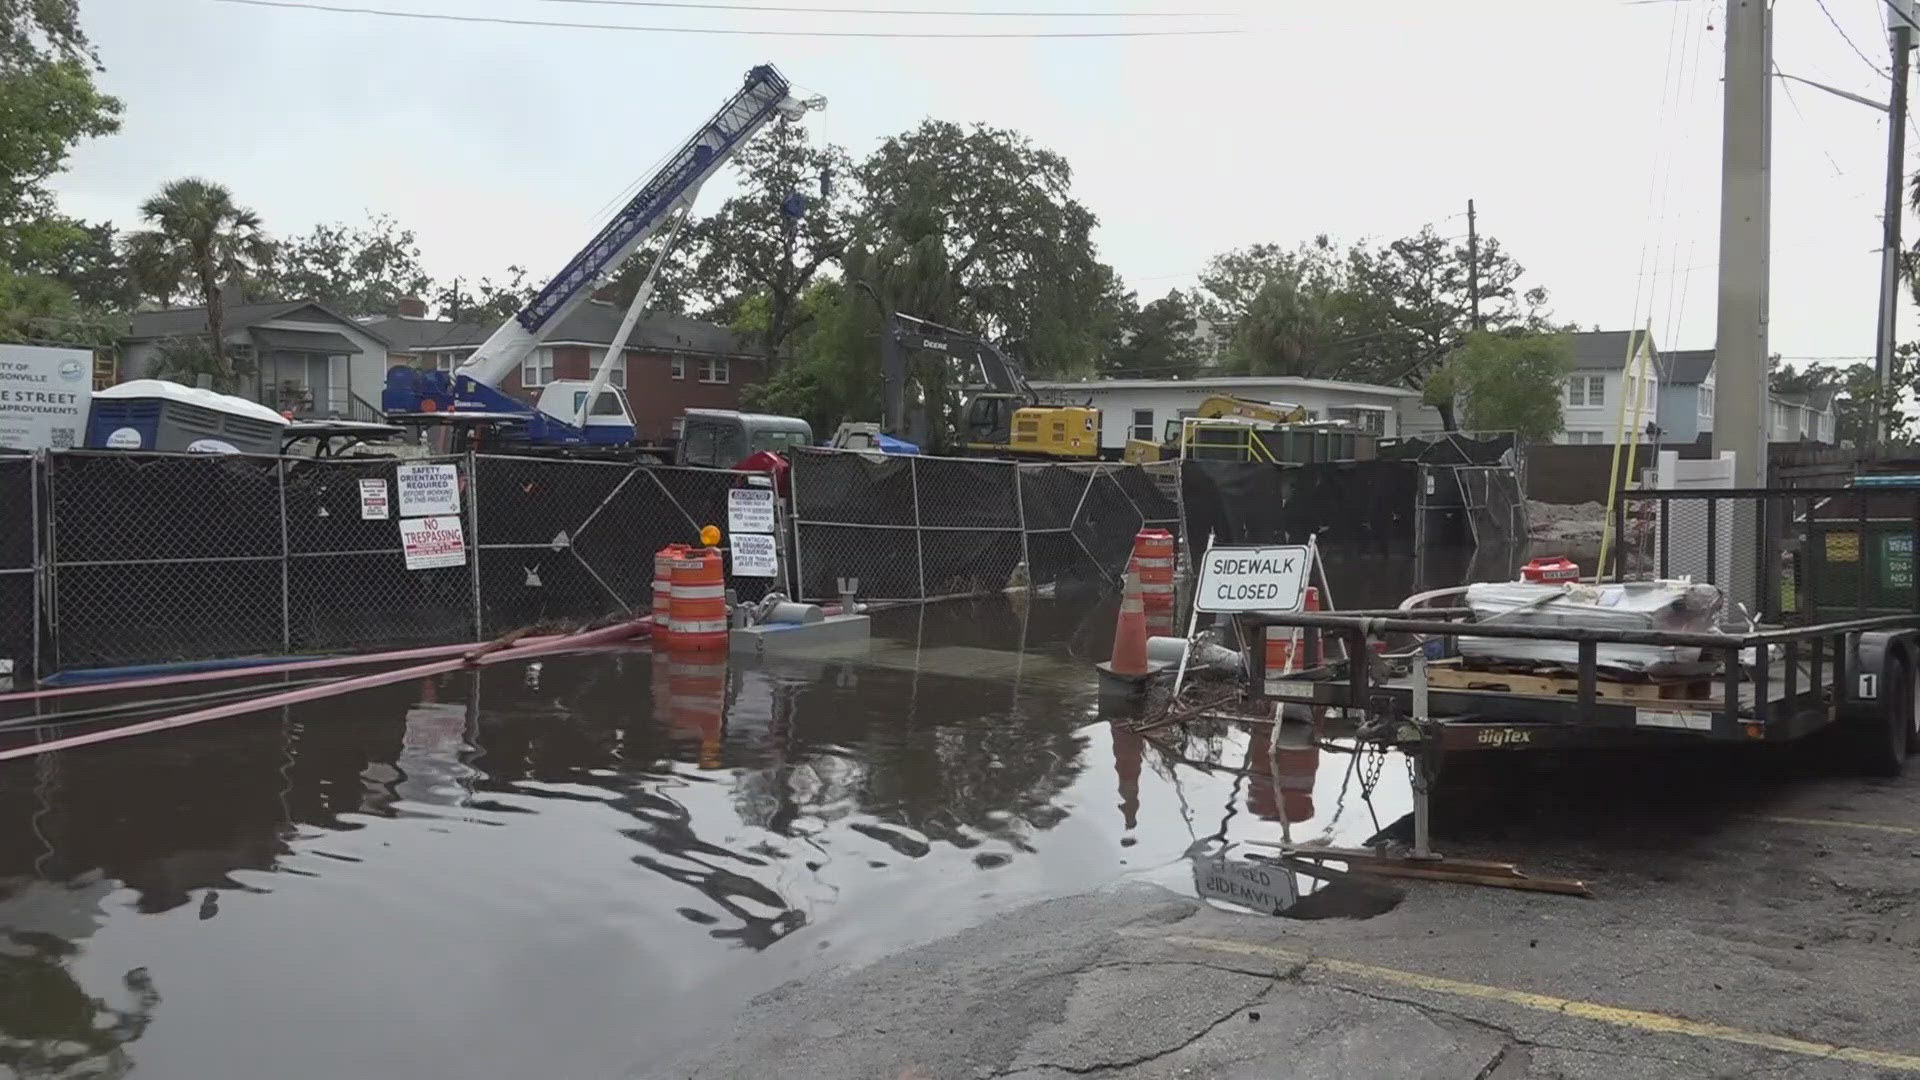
(891, 445)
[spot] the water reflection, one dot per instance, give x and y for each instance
(613, 850)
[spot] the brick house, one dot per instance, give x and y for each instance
(672, 363)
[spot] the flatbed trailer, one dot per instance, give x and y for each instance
(1827, 575)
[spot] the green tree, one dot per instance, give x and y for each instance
(1159, 341)
(185, 359)
(790, 222)
(487, 302)
(86, 258)
(977, 227)
(1413, 302)
(48, 102)
(1855, 390)
(360, 270)
(198, 230)
(1509, 382)
(833, 373)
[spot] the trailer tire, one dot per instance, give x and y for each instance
(1884, 735)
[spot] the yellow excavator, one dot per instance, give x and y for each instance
(1007, 419)
(1223, 427)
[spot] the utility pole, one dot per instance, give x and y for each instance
(1740, 348)
(1900, 15)
(1473, 265)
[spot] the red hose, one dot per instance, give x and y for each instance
(471, 657)
(427, 652)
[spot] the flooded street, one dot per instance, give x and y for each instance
(571, 867)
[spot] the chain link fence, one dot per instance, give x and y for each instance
(917, 527)
(1791, 556)
(163, 558)
(19, 551)
(574, 541)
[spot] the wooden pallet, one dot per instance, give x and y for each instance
(1551, 682)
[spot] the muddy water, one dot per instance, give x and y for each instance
(565, 870)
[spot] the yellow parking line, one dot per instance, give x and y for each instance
(1657, 1023)
(1869, 826)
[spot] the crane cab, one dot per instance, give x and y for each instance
(609, 422)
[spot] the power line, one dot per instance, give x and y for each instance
(1878, 70)
(697, 6)
(503, 21)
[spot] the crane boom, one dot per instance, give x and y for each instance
(764, 94)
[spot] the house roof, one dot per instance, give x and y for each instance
(1688, 367)
(174, 322)
(1226, 382)
(1817, 400)
(1605, 350)
(592, 323)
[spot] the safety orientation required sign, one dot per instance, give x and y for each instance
(428, 489)
(1253, 578)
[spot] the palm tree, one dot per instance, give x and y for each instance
(201, 236)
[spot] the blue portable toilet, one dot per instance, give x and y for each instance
(156, 415)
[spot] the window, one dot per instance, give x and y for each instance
(617, 376)
(608, 405)
(1706, 401)
(1585, 390)
(1372, 421)
(777, 441)
(1143, 424)
(1585, 438)
(537, 369)
(714, 371)
(679, 427)
(679, 367)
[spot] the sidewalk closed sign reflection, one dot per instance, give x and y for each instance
(433, 542)
(1268, 890)
(1252, 578)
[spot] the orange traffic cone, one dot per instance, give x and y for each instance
(1129, 663)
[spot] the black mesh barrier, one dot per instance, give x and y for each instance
(960, 493)
(574, 541)
(840, 488)
(348, 584)
(1450, 448)
(1107, 523)
(886, 562)
(854, 517)
(164, 557)
(1497, 513)
(19, 525)
(1050, 496)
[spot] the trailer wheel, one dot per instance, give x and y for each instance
(1885, 735)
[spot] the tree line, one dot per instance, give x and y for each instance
(973, 226)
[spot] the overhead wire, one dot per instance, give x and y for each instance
(695, 5)
(501, 20)
(1882, 72)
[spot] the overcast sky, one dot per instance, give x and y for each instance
(1587, 131)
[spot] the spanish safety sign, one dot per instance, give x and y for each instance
(433, 542)
(754, 555)
(428, 489)
(1253, 578)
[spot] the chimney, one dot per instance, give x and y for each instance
(411, 307)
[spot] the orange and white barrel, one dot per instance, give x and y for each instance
(1278, 659)
(697, 615)
(663, 561)
(1295, 769)
(697, 700)
(1153, 556)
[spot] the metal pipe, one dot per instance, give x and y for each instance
(617, 632)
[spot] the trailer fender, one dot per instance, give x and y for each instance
(1868, 676)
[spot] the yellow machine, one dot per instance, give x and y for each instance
(1007, 425)
(1221, 421)
(1005, 420)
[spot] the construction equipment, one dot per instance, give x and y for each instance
(1005, 420)
(589, 413)
(1229, 428)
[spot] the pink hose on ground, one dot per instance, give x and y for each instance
(470, 655)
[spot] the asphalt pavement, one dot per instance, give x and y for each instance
(1753, 916)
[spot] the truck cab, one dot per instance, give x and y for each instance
(609, 422)
(722, 438)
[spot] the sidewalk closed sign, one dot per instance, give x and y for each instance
(428, 490)
(1252, 579)
(433, 542)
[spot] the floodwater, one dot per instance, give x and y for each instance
(571, 868)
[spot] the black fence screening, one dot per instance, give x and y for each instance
(915, 527)
(126, 559)
(19, 600)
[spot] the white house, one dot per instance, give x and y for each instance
(307, 359)
(1687, 399)
(1593, 391)
(1140, 408)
